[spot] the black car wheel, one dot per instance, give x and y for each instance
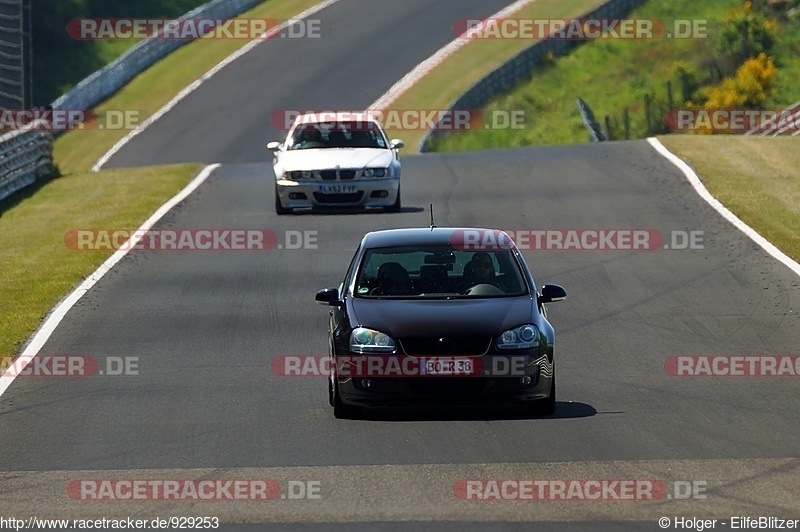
(280, 209)
(545, 407)
(397, 204)
(342, 410)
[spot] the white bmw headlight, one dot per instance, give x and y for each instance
(518, 338)
(297, 175)
(376, 172)
(364, 340)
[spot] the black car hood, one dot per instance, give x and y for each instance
(436, 317)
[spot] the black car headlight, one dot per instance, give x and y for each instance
(521, 337)
(364, 340)
(376, 172)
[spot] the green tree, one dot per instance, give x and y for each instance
(746, 33)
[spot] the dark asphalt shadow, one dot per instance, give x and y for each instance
(564, 410)
(334, 211)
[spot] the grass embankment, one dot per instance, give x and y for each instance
(612, 75)
(756, 178)
(474, 61)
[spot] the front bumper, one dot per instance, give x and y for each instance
(309, 194)
(496, 383)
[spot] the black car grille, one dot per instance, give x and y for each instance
(328, 175)
(338, 198)
(446, 346)
(347, 174)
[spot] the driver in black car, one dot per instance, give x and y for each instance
(483, 267)
(480, 269)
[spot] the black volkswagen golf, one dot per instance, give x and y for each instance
(439, 315)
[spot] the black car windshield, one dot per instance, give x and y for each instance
(337, 135)
(438, 272)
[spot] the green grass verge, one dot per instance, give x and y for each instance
(474, 61)
(757, 178)
(612, 75)
(38, 268)
(78, 151)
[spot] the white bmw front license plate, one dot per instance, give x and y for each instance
(338, 189)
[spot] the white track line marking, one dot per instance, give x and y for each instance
(703, 192)
(208, 75)
(424, 68)
(46, 330)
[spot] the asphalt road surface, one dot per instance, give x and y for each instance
(365, 47)
(204, 401)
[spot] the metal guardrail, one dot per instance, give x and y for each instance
(15, 54)
(595, 133)
(519, 67)
(26, 154)
(784, 124)
(109, 79)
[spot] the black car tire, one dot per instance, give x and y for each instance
(545, 407)
(397, 204)
(342, 410)
(280, 209)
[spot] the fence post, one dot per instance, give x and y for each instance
(626, 117)
(669, 95)
(595, 135)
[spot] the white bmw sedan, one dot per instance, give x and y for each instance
(341, 160)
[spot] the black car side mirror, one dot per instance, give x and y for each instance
(328, 296)
(552, 293)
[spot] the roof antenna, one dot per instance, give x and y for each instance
(433, 224)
